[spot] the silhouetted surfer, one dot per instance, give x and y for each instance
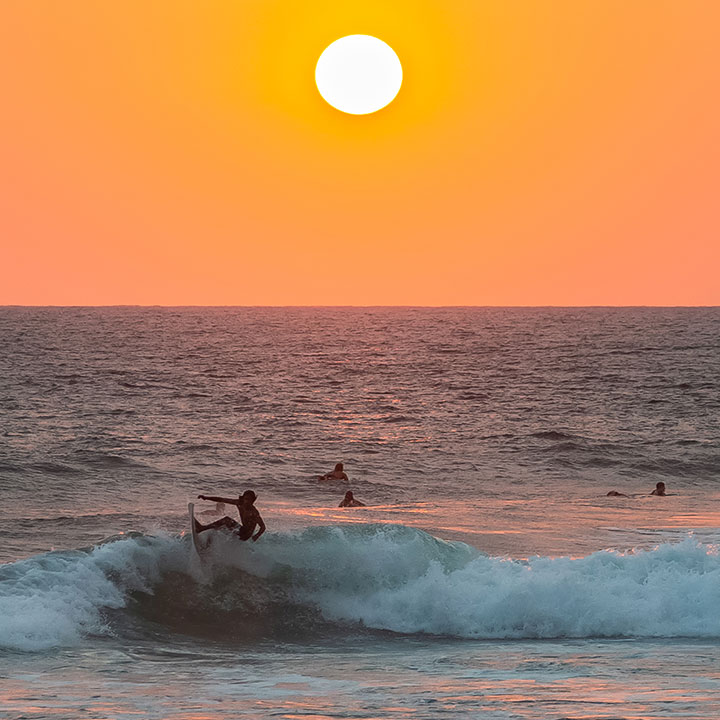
(350, 501)
(337, 474)
(249, 516)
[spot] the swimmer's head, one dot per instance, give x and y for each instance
(339, 467)
(349, 495)
(660, 486)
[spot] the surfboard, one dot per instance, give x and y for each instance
(195, 536)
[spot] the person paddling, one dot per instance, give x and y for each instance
(249, 516)
(350, 501)
(338, 473)
(658, 490)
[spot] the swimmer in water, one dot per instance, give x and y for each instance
(249, 517)
(337, 474)
(615, 493)
(350, 501)
(659, 489)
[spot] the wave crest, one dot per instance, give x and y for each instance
(381, 577)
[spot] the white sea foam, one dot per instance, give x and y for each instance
(383, 577)
(403, 580)
(58, 598)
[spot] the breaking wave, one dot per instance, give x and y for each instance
(374, 577)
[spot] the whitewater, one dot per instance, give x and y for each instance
(375, 577)
(490, 575)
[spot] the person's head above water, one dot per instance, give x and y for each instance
(349, 495)
(248, 496)
(338, 467)
(659, 489)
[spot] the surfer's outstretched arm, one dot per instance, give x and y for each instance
(261, 530)
(212, 498)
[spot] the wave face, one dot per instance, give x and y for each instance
(380, 577)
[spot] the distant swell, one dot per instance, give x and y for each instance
(378, 577)
(552, 435)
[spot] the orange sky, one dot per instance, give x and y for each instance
(538, 153)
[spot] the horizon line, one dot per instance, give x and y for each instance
(350, 306)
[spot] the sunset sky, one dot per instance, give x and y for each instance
(171, 152)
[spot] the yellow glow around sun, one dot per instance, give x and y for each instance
(359, 74)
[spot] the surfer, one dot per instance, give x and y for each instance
(659, 489)
(337, 474)
(350, 501)
(249, 516)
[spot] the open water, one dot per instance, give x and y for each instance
(489, 577)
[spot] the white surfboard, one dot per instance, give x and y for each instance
(195, 536)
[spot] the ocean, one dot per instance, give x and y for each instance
(489, 576)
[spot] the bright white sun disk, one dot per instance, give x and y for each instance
(358, 74)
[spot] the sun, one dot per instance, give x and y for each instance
(358, 74)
